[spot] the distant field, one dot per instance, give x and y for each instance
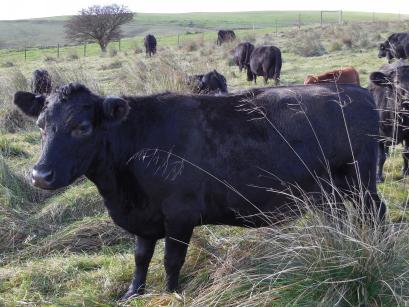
(50, 31)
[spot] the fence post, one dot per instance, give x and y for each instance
(321, 19)
(119, 44)
(85, 49)
(58, 50)
(373, 16)
(276, 27)
(25, 53)
(253, 28)
(178, 40)
(299, 21)
(340, 18)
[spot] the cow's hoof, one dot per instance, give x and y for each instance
(131, 293)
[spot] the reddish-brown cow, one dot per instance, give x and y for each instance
(342, 75)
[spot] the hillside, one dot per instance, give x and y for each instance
(50, 31)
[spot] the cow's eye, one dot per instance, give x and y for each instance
(83, 129)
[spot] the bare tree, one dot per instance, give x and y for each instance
(98, 23)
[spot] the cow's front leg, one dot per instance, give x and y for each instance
(143, 254)
(405, 155)
(176, 244)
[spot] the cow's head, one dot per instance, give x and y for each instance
(396, 82)
(383, 50)
(72, 121)
(213, 82)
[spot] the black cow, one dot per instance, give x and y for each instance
(41, 82)
(396, 46)
(150, 44)
(210, 83)
(242, 55)
(265, 61)
(390, 89)
(167, 163)
(224, 36)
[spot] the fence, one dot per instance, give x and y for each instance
(135, 44)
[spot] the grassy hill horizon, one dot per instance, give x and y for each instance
(49, 31)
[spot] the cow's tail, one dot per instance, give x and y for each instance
(277, 67)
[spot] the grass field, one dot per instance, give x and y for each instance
(61, 248)
(50, 31)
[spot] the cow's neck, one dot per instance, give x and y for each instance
(109, 167)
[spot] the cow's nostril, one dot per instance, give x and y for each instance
(42, 179)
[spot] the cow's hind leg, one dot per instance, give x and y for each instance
(143, 254)
(383, 150)
(358, 184)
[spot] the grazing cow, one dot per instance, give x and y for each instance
(150, 44)
(242, 55)
(41, 82)
(342, 75)
(390, 89)
(396, 46)
(210, 83)
(168, 162)
(224, 36)
(265, 61)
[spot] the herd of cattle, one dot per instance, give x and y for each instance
(239, 159)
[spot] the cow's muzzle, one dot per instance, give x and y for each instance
(42, 179)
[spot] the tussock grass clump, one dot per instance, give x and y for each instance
(72, 55)
(9, 149)
(308, 45)
(315, 262)
(113, 65)
(190, 46)
(250, 37)
(161, 74)
(86, 235)
(73, 204)
(16, 200)
(49, 58)
(15, 192)
(65, 73)
(113, 52)
(12, 120)
(7, 64)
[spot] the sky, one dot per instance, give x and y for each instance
(23, 9)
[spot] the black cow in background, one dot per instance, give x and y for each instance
(390, 89)
(210, 83)
(241, 55)
(396, 46)
(41, 82)
(265, 61)
(167, 163)
(150, 44)
(224, 36)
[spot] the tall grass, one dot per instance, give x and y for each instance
(315, 262)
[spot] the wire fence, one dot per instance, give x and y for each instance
(51, 52)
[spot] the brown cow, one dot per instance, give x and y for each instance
(342, 75)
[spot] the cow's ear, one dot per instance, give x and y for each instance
(381, 79)
(29, 103)
(115, 109)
